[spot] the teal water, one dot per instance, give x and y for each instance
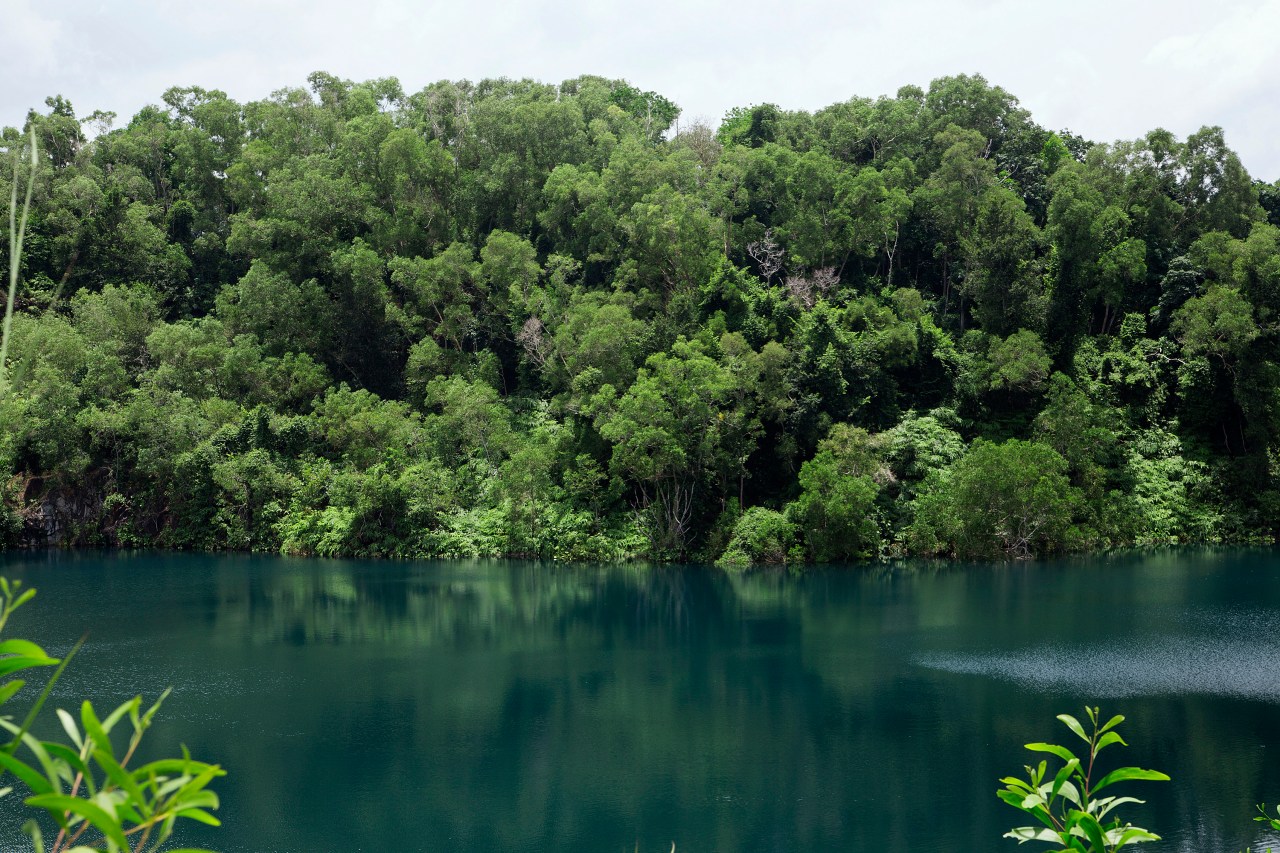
(506, 706)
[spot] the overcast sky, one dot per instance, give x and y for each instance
(1106, 69)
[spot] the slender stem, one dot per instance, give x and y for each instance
(16, 233)
(44, 694)
(133, 744)
(76, 835)
(1093, 753)
(142, 844)
(75, 789)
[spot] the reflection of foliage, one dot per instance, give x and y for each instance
(513, 679)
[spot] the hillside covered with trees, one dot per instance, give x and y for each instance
(510, 318)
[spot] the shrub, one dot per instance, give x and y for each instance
(760, 536)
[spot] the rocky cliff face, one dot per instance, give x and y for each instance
(63, 518)
(57, 516)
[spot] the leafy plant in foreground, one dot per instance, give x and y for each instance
(92, 796)
(1067, 805)
(1263, 817)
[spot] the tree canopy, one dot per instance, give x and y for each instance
(509, 317)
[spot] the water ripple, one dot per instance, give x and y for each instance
(1204, 665)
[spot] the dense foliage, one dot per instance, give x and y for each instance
(515, 318)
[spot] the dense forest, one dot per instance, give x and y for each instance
(511, 318)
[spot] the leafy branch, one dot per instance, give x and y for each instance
(1067, 805)
(93, 797)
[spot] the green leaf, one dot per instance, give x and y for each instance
(1112, 723)
(69, 726)
(37, 748)
(57, 804)
(1135, 833)
(151, 712)
(1125, 774)
(62, 752)
(200, 815)
(126, 811)
(32, 829)
(114, 717)
(121, 778)
(1092, 829)
(25, 648)
(172, 787)
(200, 799)
(8, 666)
(1070, 792)
(1106, 804)
(1013, 798)
(1106, 741)
(171, 766)
(22, 655)
(1052, 748)
(1063, 775)
(28, 774)
(1074, 724)
(189, 789)
(1031, 833)
(93, 727)
(20, 731)
(12, 687)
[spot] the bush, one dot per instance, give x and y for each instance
(760, 536)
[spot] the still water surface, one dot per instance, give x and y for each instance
(506, 706)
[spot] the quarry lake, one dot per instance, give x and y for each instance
(507, 706)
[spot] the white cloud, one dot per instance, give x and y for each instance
(30, 43)
(1107, 69)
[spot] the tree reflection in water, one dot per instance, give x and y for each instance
(484, 705)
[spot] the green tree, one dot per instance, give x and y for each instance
(1219, 324)
(667, 431)
(1019, 362)
(1003, 275)
(1010, 500)
(835, 511)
